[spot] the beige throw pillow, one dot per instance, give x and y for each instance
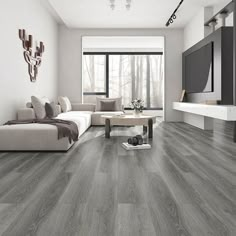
(39, 106)
(118, 105)
(65, 104)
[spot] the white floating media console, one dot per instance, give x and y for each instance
(202, 115)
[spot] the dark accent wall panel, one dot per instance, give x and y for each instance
(227, 66)
(222, 40)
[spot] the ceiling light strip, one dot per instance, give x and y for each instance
(173, 15)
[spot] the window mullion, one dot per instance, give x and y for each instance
(107, 75)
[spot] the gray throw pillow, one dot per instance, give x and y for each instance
(50, 109)
(118, 103)
(109, 105)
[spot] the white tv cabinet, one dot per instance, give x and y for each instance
(202, 115)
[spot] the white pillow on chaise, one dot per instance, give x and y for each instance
(65, 104)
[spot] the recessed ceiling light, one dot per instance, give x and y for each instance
(127, 5)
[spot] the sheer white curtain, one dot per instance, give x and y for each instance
(130, 76)
(94, 73)
(137, 76)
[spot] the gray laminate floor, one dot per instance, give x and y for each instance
(184, 185)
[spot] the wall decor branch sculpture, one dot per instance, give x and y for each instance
(32, 57)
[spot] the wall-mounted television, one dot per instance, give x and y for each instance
(199, 70)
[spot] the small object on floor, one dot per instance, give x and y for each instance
(128, 146)
(136, 140)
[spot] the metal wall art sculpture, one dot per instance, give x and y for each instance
(32, 57)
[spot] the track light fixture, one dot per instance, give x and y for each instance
(173, 15)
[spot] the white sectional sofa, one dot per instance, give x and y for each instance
(43, 137)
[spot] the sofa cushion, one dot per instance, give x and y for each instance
(118, 105)
(39, 106)
(83, 106)
(65, 104)
(81, 118)
(26, 114)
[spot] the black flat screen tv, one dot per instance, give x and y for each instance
(199, 70)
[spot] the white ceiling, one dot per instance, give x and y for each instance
(143, 13)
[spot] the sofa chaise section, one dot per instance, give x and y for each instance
(42, 137)
(31, 137)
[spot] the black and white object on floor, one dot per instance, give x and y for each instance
(138, 147)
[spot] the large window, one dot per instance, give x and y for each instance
(129, 75)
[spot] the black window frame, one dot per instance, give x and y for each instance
(107, 54)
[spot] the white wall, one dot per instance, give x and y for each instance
(15, 85)
(195, 31)
(221, 5)
(70, 61)
(230, 20)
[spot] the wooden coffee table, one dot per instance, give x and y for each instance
(146, 121)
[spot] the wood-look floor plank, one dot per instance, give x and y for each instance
(29, 182)
(130, 181)
(185, 193)
(84, 175)
(133, 220)
(220, 171)
(30, 219)
(8, 214)
(11, 162)
(184, 185)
